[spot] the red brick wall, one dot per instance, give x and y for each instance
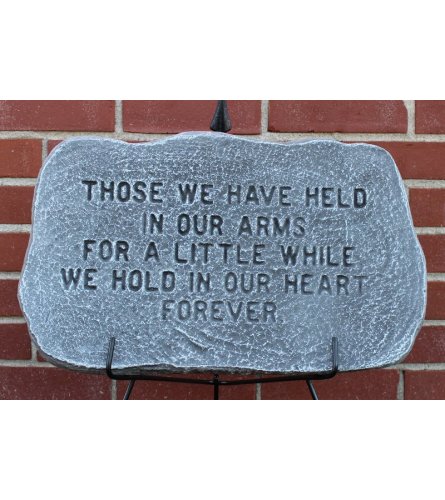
(412, 131)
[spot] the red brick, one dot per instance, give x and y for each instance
(427, 207)
(433, 246)
(20, 157)
(12, 250)
(179, 116)
(51, 383)
(16, 204)
(57, 115)
(144, 389)
(417, 160)
(338, 116)
(429, 346)
(15, 342)
(41, 358)
(52, 143)
(435, 307)
(9, 304)
(424, 384)
(430, 117)
(367, 384)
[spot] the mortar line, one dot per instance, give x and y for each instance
(264, 117)
(18, 181)
(419, 366)
(430, 230)
(401, 386)
(272, 136)
(10, 275)
(8, 320)
(258, 388)
(411, 183)
(400, 366)
(346, 137)
(15, 228)
(435, 276)
(15, 275)
(425, 183)
(25, 364)
(118, 117)
(44, 150)
(33, 351)
(21, 320)
(411, 110)
(26, 228)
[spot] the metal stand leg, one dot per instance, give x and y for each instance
(216, 381)
(312, 389)
(129, 389)
(216, 386)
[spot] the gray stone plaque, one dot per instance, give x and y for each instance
(209, 252)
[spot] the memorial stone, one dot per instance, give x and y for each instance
(206, 251)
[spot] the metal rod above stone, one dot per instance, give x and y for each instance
(221, 119)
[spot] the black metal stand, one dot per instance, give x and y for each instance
(221, 119)
(216, 381)
(221, 123)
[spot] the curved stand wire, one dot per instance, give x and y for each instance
(216, 381)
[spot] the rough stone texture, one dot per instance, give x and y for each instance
(376, 321)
